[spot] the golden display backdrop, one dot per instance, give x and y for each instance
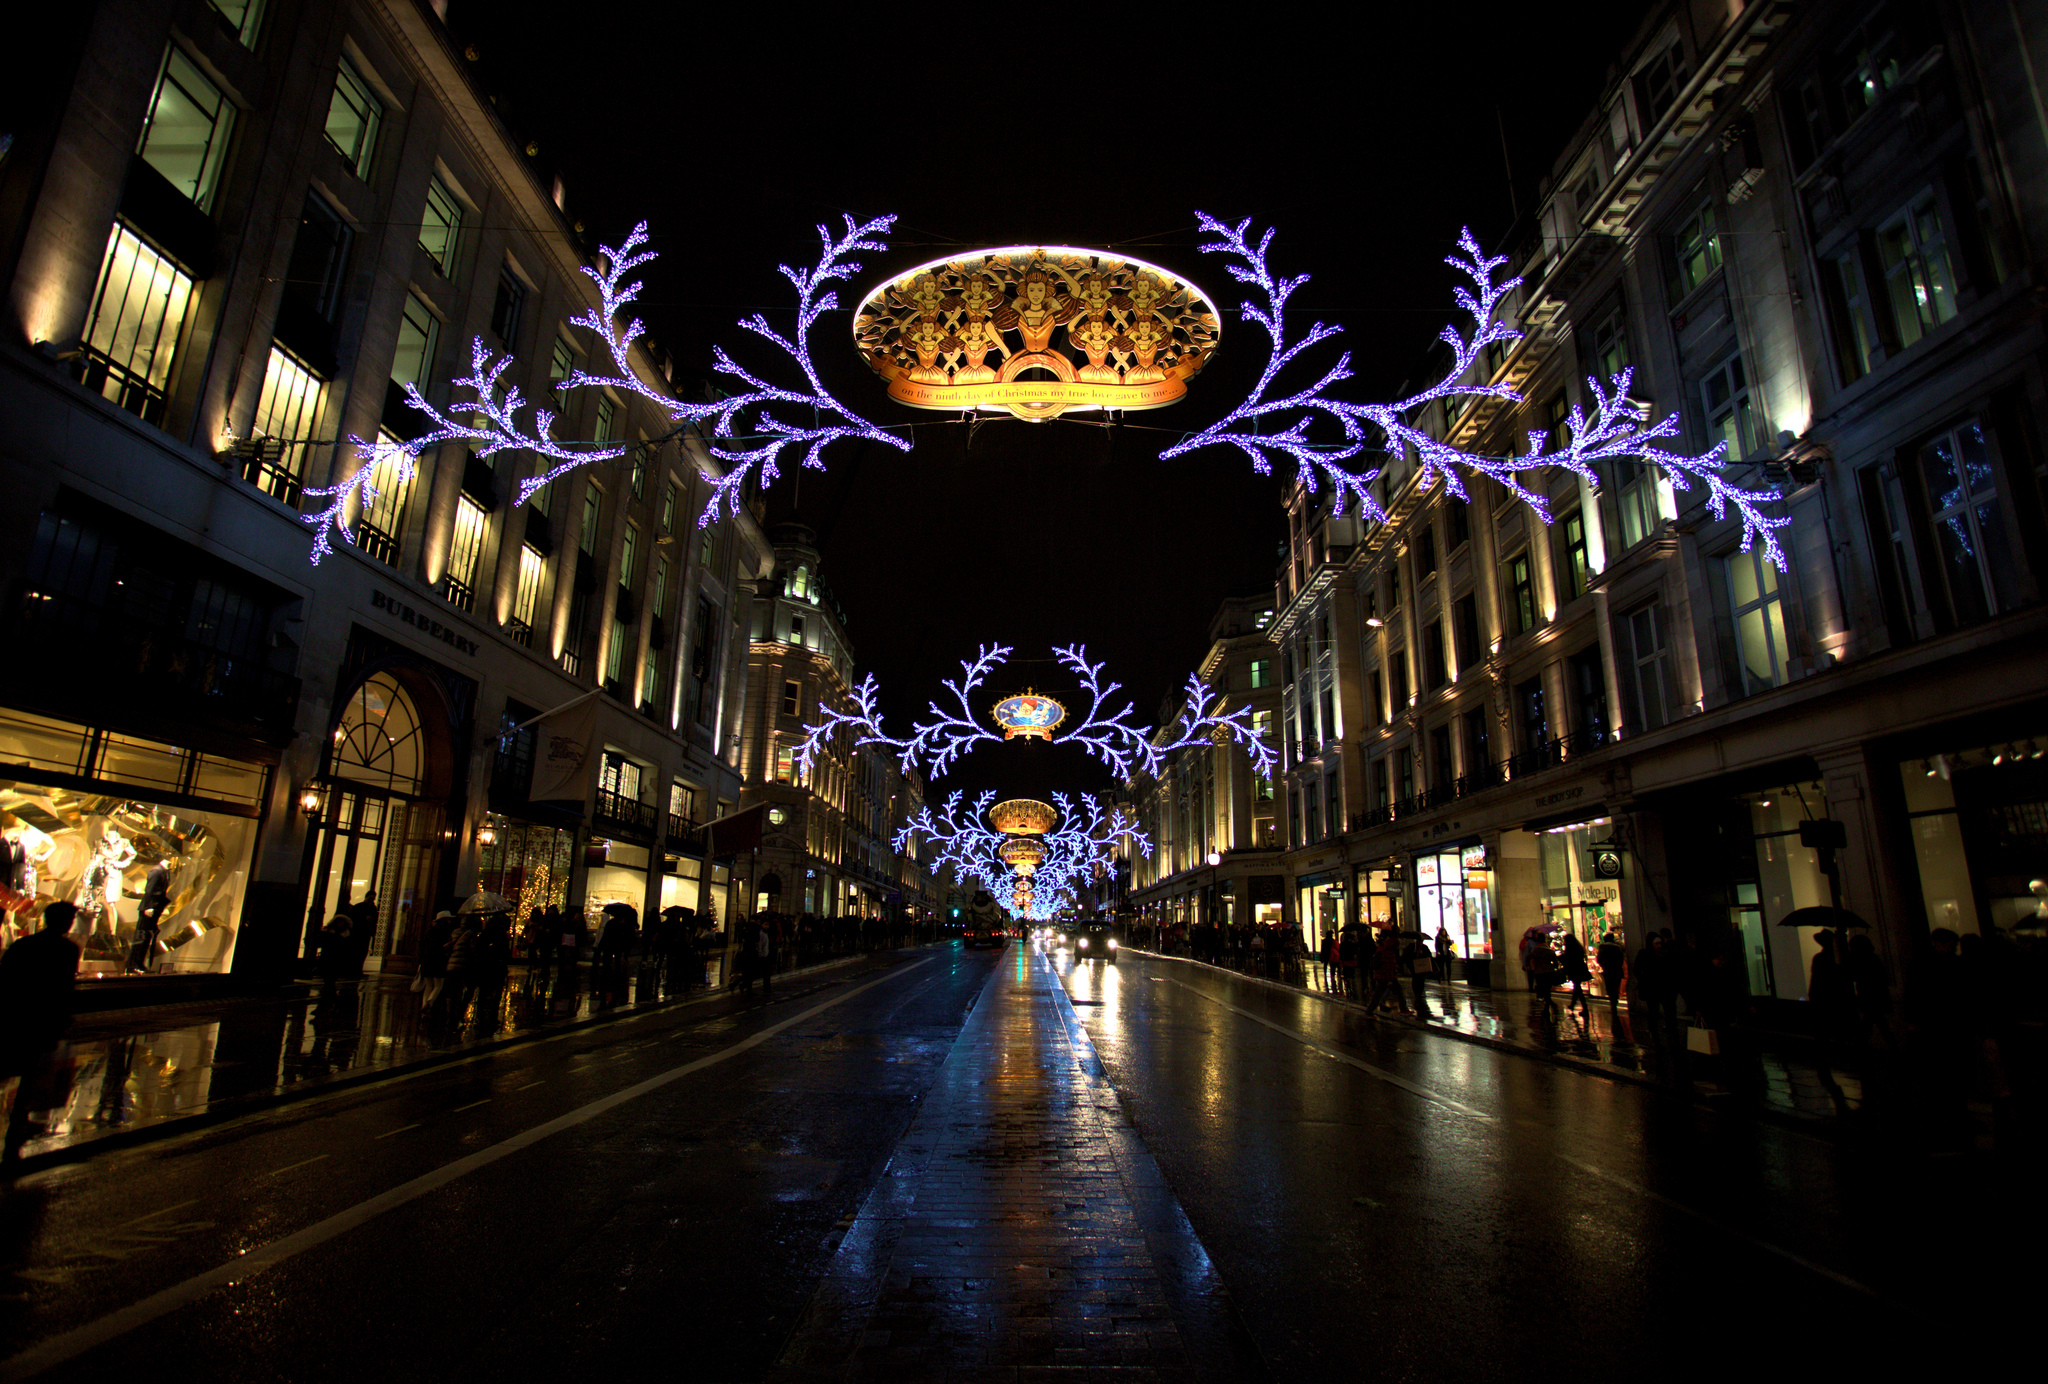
(1024, 817)
(1037, 331)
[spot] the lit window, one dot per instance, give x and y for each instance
(289, 412)
(1913, 248)
(186, 133)
(668, 507)
(441, 226)
(615, 654)
(785, 764)
(138, 312)
(1730, 416)
(353, 115)
(1755, 605)
(1855, 333)
(526, 596)
(385, 500)
(796, 630)
(639, 478)
(1634, 488)
(1521, 604)
(1262, 673)
(1695, 251)
(418, 331)
(1610, 344)
(608, 422)
(242, 18)
(660, 603)
(465, 551)
(629, 555)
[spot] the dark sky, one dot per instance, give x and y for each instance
(1368, 141)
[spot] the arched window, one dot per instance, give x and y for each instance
(377, 740)
(800, 585)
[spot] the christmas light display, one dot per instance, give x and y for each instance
(1081, 848)
(1615, 430)
(494, 426)
(1126, 748)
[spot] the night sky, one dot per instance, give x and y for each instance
(1368, 143)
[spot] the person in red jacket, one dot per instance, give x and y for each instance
(1386, 971)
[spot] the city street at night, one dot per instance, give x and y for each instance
(816, 693)
(943, 1164)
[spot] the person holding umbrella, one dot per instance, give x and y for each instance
(1421, 965)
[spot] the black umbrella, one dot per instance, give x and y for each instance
(1820, 915)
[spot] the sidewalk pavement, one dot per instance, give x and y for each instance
(1774, 1075)
(134, 1072)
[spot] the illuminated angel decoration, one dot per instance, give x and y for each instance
(1105, 730)
(810, 417)
(1615, 430)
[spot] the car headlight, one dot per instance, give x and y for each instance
(1083, 942)
(1112, 944)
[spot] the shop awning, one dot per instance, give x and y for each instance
(1585, 812)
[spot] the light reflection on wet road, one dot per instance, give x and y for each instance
(1374, 1201)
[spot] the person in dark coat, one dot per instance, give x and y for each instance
(434, 956)
(621, 931)
(362, 930)
(464, 960)
(679, 939)
(1576, 972)
(1613, 959)
(337, 948)
(37, 977)
(1386, 972)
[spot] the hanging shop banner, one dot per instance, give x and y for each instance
(566, 754)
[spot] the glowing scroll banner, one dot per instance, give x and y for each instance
(1037, 331)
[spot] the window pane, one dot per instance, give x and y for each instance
(412, 362)
(441, 225)
(187, 129)
(464, 549)
(244, 18)
(288, 411)
(353, 115)
(138, 314)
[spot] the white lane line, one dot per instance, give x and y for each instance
(1726, 1229)
(304, 1162)
(400, 1130)
(1339, 1055)
(530, 1085)
(471, 1106)
(58, 1349)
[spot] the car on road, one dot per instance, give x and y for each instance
(979, 933)
(1095, 940)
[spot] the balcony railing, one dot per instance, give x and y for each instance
(684, 835)
(619, 813)
(125, 388)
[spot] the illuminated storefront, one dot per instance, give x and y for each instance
(129, 830)
(1321, 901)
(1454, 896)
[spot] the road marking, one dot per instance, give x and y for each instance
(249, 1263)
(1339, 1055)
(529, 1085)
(289, 1167)
(1765, 1245)
(472, 1105)
(400, 1130)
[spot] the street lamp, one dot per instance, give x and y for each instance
(1215, 859)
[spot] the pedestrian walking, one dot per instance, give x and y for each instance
(1612, 958)
(1421, 965)
(336, 949)
(679, 938)
(1573, 966)
(1871, 985)
(433, 977)
(362, 931)
(462, 962)
(1540, 965)
(1349, 946)
(38, 974)
(1386, 972)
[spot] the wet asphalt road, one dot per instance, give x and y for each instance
(662, 1196)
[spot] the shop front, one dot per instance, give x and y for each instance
(385, 810)
(527, 863)
(1321, 908)
(1978, 818)
(1580, 865)
(151, 841)
(1454, 900)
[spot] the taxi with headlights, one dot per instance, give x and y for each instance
(1095, 940)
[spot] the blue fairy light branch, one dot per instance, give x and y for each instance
(1202, 721)
(1617, 428)
(948, 735)
(494, 425)
(1110, 737)
(863, 720)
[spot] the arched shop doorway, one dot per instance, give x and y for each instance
(382, 825)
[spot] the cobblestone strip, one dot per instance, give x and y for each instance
(1006, 1240)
